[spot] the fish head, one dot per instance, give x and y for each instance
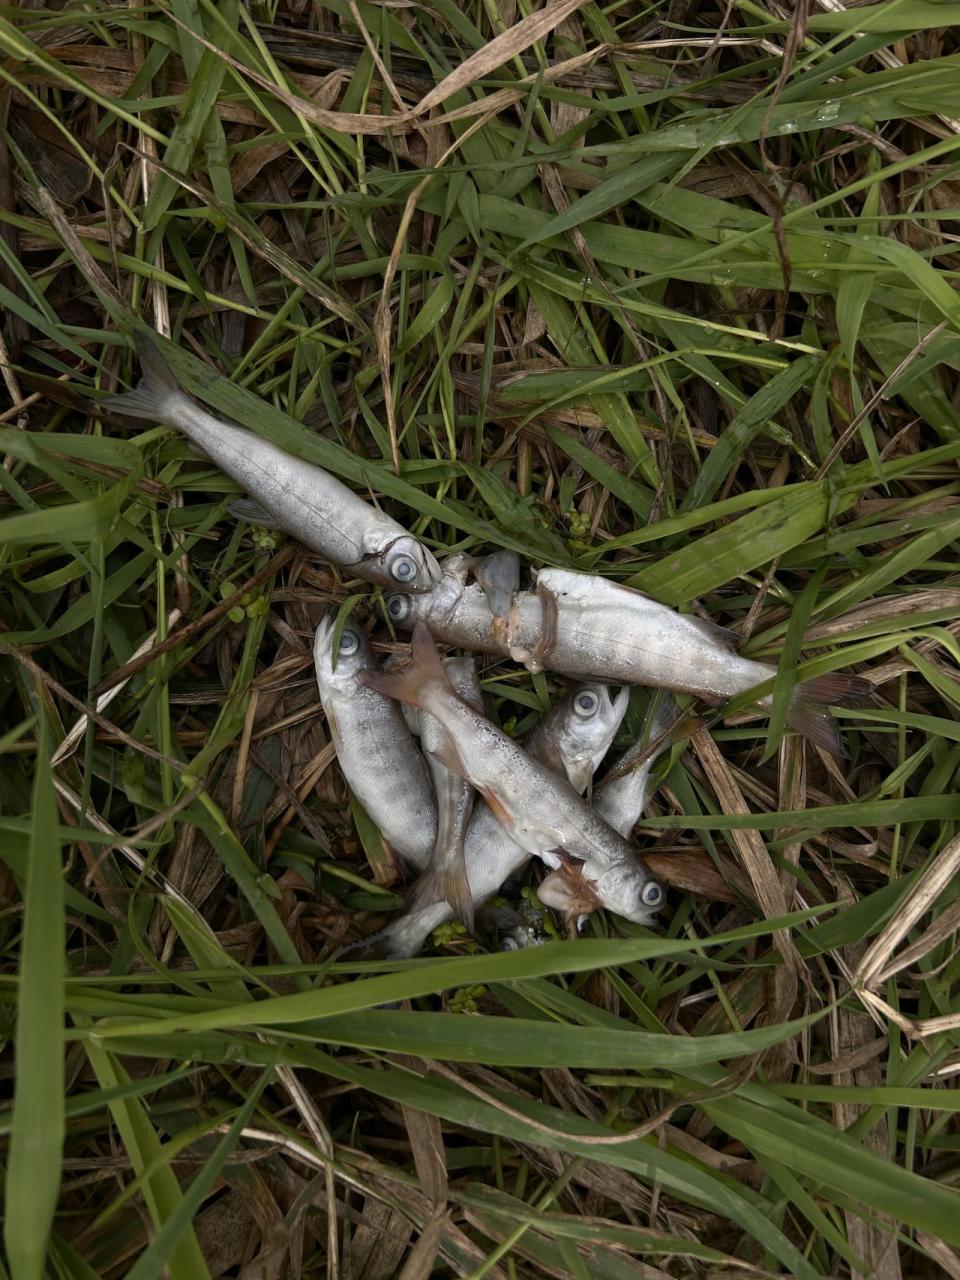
(405, 610)
(626, 889)
(403, 564)
(338, 672)
(587, 722)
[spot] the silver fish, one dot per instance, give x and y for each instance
(492, 855)
(289, 494)
(622, 795)
(377, 753)
(574, 737)
(582, 625)
(544, 814)
(619, 799)
(445, 878)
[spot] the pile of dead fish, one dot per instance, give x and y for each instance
(468, 805)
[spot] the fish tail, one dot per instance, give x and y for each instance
(808, 713)
(399, 940)
(386, 944)
(157, 395)
(411, 684)
(448, 883)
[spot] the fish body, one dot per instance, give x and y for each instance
(563, 741)
(290, 494)
(377, 753)
(543, 813)
(625, 635)
(622, 796)
(588, 627)
(445, 878)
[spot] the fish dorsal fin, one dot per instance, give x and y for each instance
(716, 634)
(252, 512)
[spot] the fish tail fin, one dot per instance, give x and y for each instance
(157, 394)
(445, 884)
(411, 684)
(808, 713)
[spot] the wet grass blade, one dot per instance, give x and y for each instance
(37, 1123)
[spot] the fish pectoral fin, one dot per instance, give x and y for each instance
(445, 750)
(252, 512)
(496, 808)
(334, 730)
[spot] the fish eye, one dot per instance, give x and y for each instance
(403, 569)
(652, 894)
(586, 703)
(398, 607)
(349, 643)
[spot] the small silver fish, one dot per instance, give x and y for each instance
(492, 855)
(619, 799)
(290, 494)
(543, 813)
(582, 625)
(445, 879)
(377, 753)
(575, 735)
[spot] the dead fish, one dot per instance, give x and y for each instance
(445, 879)
(289, 494)
(492, 855)
(377, 753)
(575, 735)
(583, 626)
(543, 813)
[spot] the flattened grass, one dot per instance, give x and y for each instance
(667, 294)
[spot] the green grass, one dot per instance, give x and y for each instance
(683, 313)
